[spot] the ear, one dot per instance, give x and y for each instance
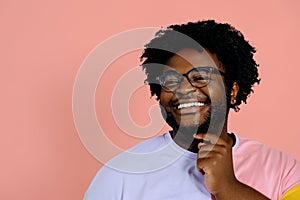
(234, 91)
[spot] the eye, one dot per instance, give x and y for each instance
(171, 82)
(171, 78)
(200, 77)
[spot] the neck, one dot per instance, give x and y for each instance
(184, 136)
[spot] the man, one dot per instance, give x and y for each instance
(198, 71)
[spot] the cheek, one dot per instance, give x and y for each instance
(164, 100)
(217, 94)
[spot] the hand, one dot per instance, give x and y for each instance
(215, 162)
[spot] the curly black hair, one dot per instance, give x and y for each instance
(222, 39)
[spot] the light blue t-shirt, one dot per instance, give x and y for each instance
(156, 169)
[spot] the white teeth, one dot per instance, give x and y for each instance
(192, 104)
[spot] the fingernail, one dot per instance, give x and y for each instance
(201, 144)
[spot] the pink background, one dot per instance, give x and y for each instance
(43, 44)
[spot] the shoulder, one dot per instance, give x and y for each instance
(148, 156)
(109, 181)
(107, 184)
(259, 151)
(251, 150)
(150, 145)
(270, 170)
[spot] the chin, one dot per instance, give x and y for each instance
(195, 123)
(188, 124)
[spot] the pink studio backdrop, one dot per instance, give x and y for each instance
(43, 44)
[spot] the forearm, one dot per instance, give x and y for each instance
(240, 191)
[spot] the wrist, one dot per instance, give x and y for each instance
(229, 189)
(238, 190)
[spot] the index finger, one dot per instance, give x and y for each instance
(211, 138)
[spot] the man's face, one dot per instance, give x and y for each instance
(192, 106)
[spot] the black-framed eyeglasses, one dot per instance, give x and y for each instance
(198, 77)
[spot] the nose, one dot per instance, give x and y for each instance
(185, 87)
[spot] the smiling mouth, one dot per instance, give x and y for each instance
(190, 105)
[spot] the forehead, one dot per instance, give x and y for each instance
(186, 59)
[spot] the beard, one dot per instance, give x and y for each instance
(213, 123)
